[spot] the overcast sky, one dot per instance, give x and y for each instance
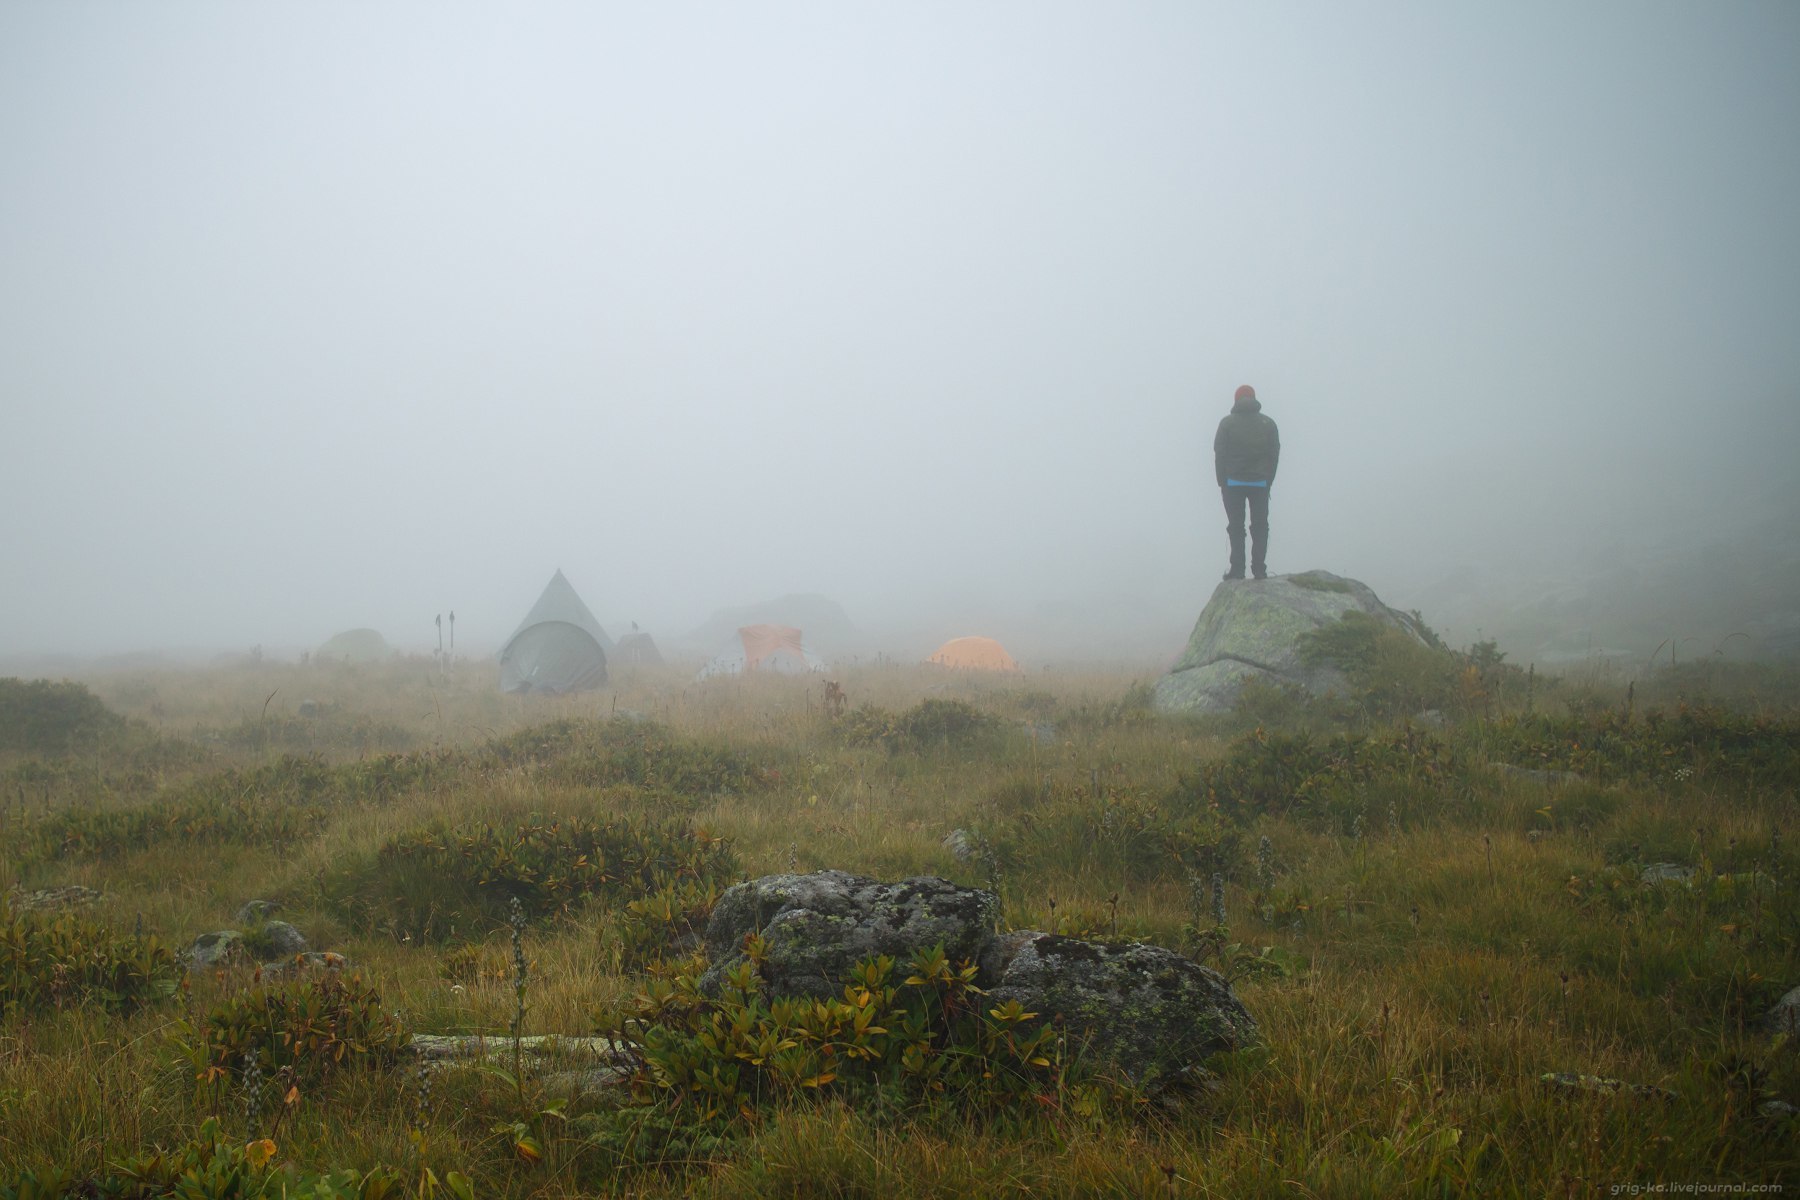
(327, 315)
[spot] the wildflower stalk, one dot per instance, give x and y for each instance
(516, 918)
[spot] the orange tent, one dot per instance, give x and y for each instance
(973, 654)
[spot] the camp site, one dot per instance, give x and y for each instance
(1012, 600)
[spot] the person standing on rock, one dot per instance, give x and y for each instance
(1245, 451)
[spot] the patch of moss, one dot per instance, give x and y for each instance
(1318, 581)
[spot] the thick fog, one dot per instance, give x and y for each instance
(316, 316)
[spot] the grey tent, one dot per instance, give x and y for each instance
(558, 647)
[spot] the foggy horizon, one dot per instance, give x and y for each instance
(315, 318)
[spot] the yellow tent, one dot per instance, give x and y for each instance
(973, 654)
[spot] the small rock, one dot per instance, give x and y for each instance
(309, 708)
(1777, 1110)
(1665, 872)
(1785, 1016)
(1570, 1081)
(71, 895)
(253, 911)
(960, 845)
(1431, 718)
(1537, 775)
(305, 963)
(282, 940)
(214, 949)
(568, 1065)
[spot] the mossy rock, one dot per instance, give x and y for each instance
(1259, 629)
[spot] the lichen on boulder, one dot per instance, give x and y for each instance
(1146, 1010)
(819, 926)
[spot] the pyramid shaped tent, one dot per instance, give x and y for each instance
(973, 654)
(776, 648)
(558, 647)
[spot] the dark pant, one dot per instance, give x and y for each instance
(1257, 498)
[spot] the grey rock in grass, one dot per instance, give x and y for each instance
(1666, 872)
(1253, 628)
(1569, 1081)
(1777, 1110)
(215, 949)
(305, 963)
(71, 895)
(1147, 1011)
(252, 911)
(564, 1065)
(281, 940)
(1536, 775)
(960, 845)
(1785, 1016)
(819, 926)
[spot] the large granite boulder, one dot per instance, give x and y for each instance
(821, 925)
(1150, 1012)
(1253, 627)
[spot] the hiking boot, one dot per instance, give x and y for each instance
(1234, 574)
(1258, 574)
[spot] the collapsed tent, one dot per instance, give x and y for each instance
(776, 648)
(973, 654)
(558, 647)
(636, 649)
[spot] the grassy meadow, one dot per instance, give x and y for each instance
(1421, 934)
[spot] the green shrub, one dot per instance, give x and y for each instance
(640, 754)
(927, 1040)
(1121, 837)
(1277, 773)
(427, 881)
(1690, 745)
(1391, 674)
(669, 923)
(273, 805)
(69, 959)
(40, 717)
(212, 1166)
(930, 724)
(305, 1029)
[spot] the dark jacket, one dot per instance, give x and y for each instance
(1247, 445)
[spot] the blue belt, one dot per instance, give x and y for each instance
(1246, 483)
